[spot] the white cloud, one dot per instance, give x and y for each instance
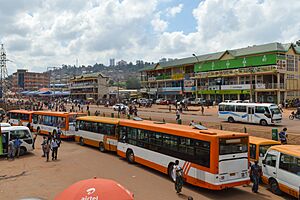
(158, 24)
(173, 11)
(41, 33)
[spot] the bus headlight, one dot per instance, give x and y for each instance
(222, 178)
(244, 174)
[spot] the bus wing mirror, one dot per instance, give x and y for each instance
(261, 155)
(76, 129)
(264, 162)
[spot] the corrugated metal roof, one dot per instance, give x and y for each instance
(250, 50)
(91, 75)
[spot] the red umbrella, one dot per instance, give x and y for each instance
(95, 189)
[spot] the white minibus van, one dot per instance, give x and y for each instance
(281, 169)
(257, 113)
(11, 133)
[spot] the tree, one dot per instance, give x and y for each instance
(133, 83)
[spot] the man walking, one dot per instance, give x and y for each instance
(11, 150)
(54, 148)
(45, 141)
(179, 177)
(283, 136)
(177, 115)
(202, 109)
(255, 174)
(47, 150)
(17, 145)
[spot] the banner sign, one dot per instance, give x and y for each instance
(267, 59)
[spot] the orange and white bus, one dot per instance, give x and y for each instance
(212, 159)
(258, 147)
(45, 122)
(100, 132)
(20, 117)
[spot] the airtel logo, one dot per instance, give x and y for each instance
(90, 191)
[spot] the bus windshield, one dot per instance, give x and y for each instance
(233, 145)
(275, 111)
(263, 149)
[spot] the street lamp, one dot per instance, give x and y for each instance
(200, 76)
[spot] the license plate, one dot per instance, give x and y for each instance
(232, 174)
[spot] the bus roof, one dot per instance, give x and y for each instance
(99, 119)
(261, 141)
(55, 113)
(293, 150)
(21, 111)
(248, 104)
(12, 128)
(179, 130)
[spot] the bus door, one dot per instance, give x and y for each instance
(250, 112)
(270, 164)
(4, 140)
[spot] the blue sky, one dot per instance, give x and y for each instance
(183, 21)
(42, 33)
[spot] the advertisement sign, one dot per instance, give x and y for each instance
(151, 79)
(189, 83)
(260, 86)
(177, 76)
(235, 87)
(189, 89)
(171, 89)
(267, 59)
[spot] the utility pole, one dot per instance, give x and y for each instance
(3, 73)
(200, 76)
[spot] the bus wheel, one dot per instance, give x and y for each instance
(130, 156)
(81, 142)
(263, 122)
(230, 119)
(22, 151)
(171, 172)
(101, 147)
(274, 187)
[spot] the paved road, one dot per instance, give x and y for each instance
(31, 176)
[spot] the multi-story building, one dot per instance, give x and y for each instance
(261, 73)
(86, 86)
(112, 62)
(22, 80)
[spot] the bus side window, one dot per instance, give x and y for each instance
(252, 151)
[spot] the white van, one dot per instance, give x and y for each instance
(257, 113)
(281, 169)
(11, 133)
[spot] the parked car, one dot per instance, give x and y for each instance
(119, 105)
(197, 101)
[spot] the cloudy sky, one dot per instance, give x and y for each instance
(42, 33)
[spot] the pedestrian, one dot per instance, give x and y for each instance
(47, 150)
(34, 139)
(29, 126)
(17, 146)
(202, 109)
(192, 123)
(11, 150)
(177, 115)
(54, 148)
(255, 174)
(170, 107)
(179, 177)
(283, 136)
(45, 141)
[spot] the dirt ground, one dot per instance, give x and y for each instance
(210, 119)
(31, 176)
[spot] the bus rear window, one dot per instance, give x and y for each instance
(233, 145)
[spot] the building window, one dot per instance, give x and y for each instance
(291, 63)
